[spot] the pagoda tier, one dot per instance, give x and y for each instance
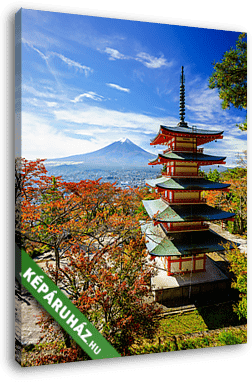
(186, 159)
(184, 190)
(162, 243)
(180, 134)
(160, 211)
(183, 252)
(170, 183)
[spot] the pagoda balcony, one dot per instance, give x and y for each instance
(183, 200)
(173, 229)
(179, 174)
(190, 201)
(185, 149)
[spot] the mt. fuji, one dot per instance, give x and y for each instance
(122, 153)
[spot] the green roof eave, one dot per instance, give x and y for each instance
(186, 184)
(181, 244)
(153, 182)
(160, 211)
(196, 157)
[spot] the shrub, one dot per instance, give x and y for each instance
(229, 338)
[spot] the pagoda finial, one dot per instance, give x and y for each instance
(182, 99)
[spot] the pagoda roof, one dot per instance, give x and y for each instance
(185, 156)
(167, 132)
(191, 130)
(162, 244)
(161, 211)
(185, 184)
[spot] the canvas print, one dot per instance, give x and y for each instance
(130, 188)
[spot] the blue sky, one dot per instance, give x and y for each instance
(89, 81)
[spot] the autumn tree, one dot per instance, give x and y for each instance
(238, 266)
(106, 272)
(54, 215)
(27, 176)
(235, 200)
(230, 77)
(48, 210)
(46, 207)
(112, 289)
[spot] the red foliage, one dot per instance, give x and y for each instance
(94, 227)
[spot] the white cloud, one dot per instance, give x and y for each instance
(37, 93)
(118, 87)
(91, 95)
(115, 54)
(42, 140)
(151, 61)
(163, 110)
(204, 103)
(139, 74)
(109, 118)
(89, 132)
(51, 104)
(205, 110)
(228, 147)
(71, 63)
(146, 59)
(24, 41)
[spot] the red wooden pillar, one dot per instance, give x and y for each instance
(180, 263)
(168, 265)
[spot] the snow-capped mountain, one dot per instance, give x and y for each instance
(122, 153)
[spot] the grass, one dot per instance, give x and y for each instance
(176, 332)
(231, 337)
(179, 332)
(222, 337)
(182, 324)
(202, 319)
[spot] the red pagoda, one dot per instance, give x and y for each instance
(178, 233)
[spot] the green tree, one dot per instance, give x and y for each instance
(230, 77)
(235, 200)
(238, 265)
(213, 175)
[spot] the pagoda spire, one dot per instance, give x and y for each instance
(182, 99)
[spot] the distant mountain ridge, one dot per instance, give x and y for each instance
(123, 153)
(120, 154)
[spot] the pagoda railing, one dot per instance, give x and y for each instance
(180, 174)
(188, 200)
(199, 227)
(184, 200)
(193, 150)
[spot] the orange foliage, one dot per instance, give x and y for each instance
(94, 227)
